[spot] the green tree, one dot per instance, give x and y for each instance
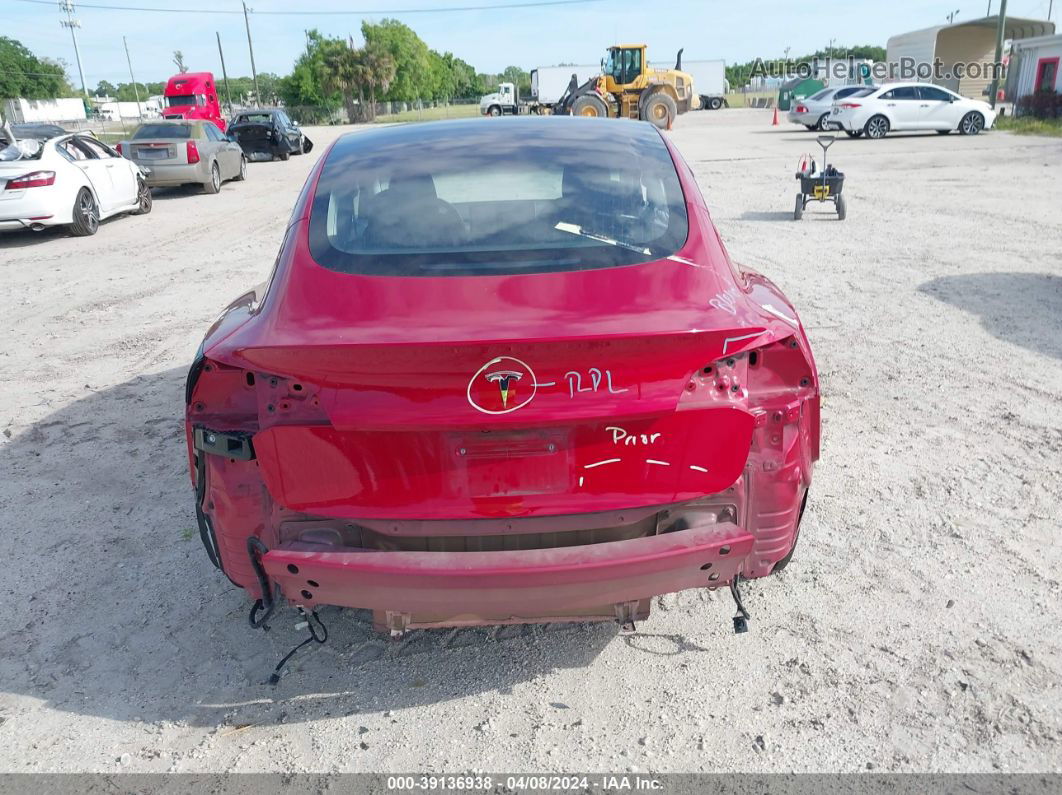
(22, 74)
(303, 87)
(413, 76)
(518, 77)
(125, 91)
(364, 73)
(105, 89)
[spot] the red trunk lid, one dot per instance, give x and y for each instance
(471, 397)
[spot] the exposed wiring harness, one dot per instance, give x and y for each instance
(315, 637)
(268, 602)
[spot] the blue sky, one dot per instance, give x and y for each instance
(490, 40)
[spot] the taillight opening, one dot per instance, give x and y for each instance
(36, 179)
(850, 105)
(118, 147)
(193, 152)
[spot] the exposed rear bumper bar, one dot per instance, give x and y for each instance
(491, 587)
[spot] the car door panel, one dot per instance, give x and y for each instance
(901, 105)
(95, 170)
(122, 178)
(218, 146)
(939, 112)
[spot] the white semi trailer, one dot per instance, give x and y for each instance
(709, 81)
(548, 84)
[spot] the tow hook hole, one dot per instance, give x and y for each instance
(306, 594)
(293, 568)
(724, 550)
(296, 387)
(706, 566)
(313, 583)
(250, 379)
(754, 359)
(707, 370)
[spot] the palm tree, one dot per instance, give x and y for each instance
(337, 72)
(377, 71)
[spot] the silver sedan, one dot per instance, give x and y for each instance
(814, 111)
(181, 152)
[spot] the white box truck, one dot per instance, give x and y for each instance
(709, 81)
(548, 84)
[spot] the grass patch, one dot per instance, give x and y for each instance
(738, 99)
(430, 114)
(1027, 125)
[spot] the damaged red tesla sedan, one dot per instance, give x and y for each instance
(501, 373)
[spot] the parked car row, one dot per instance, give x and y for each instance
(52, 177)
(68, 180)
(875, 111)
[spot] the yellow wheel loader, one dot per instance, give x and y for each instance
(628, 88)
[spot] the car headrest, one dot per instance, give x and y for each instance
(413, 186)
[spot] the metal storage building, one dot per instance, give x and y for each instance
(972, 41)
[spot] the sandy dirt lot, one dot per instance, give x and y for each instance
(917, 628)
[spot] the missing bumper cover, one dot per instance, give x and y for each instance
(229, 445)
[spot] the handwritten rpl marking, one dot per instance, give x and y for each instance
(658, 463)
(575, 382)
(696, 468)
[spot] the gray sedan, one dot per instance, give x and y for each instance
(814, 111)
(183, 152)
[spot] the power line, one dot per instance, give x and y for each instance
(323, 12)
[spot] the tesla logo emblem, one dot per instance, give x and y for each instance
(505, 380)
(502, 385)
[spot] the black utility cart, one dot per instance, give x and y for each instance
(826, 186)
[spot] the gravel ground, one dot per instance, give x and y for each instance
(916, 630)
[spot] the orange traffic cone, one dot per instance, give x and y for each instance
(774, 121)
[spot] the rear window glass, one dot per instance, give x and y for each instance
(866, 92)
(163, 131)
(821, 95)
(847, 92)
(514, 196)
(254, 118)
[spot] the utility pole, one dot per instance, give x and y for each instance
(250, 47)
(70, 22)
(224, 74)
(988, 13)
(136, 91)
(1001, 28)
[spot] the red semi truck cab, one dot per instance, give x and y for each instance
(193, 95)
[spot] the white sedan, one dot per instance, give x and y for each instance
(69, 180)
(910, 106)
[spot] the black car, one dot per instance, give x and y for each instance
(268, 131)
(40, 132)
